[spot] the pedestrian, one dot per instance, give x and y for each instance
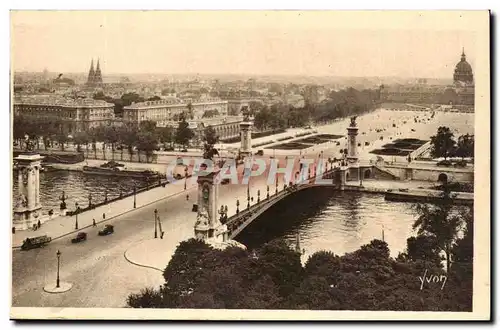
(161, 235)
(93, 223)
(187, 197)
(104, 216)
(39, 224)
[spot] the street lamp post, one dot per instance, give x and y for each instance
(267, 191)
(248, 196)
(276, 184)
(77, 208)
(156, 216)
(258, 196)
(185, 177)
(237, 206)
(58, 254)
(106, 196)
(135, 192)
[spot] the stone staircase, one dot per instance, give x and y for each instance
(383, 173)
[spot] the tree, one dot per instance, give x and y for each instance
(442, 143)
(439, 222)
(211, 139)
(422, 248)
(80, 138)
(190, 111)
(166, 135)
(199, 276)
(147, 298)
(130, 138)
(210, 113)
(183, 134)
(465, 146)
(323, 263)
(111, 137)
(146, 141)
(282, 264)
(61, 134)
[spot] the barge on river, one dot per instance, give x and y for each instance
(116, 169)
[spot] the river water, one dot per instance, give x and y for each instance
(77, 186)
(333, 220)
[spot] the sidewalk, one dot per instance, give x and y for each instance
(152, 253)
(65, 225)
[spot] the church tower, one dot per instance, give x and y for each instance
(98, 75)
(90, 78)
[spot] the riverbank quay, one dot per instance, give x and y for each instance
(62, 226)
(407, 191)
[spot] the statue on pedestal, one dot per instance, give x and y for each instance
(22, 201)
(246, 113)
(353, 121)
(202, 218)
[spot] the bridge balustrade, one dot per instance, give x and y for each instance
(239, 221)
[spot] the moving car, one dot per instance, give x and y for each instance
(80, 237)
(35, 242)
(107, 230)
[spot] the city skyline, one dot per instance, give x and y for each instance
(291, 45)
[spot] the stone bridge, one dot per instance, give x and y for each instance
(239, 221)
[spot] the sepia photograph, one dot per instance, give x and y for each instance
(250, 165)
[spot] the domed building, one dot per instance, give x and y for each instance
(463, 80)
(463, 72)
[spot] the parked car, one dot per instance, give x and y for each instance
(260, 152)
(107, 230)
(80, 237)
(225, 181)
(184, 150)
(444, 163)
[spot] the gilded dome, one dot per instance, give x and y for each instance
(463, 71)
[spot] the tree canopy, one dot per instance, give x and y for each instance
(442, 143)
(199, 276)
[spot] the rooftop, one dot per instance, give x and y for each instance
(60, 101)
(171, 101)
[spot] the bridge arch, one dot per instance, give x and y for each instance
(443, 178)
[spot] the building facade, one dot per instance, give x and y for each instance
(417, 93)
(75, 114)
(225, 127)
(461, 93)
(168, 110)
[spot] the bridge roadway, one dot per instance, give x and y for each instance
(100, 274)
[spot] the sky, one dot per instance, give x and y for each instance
(259, 43)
